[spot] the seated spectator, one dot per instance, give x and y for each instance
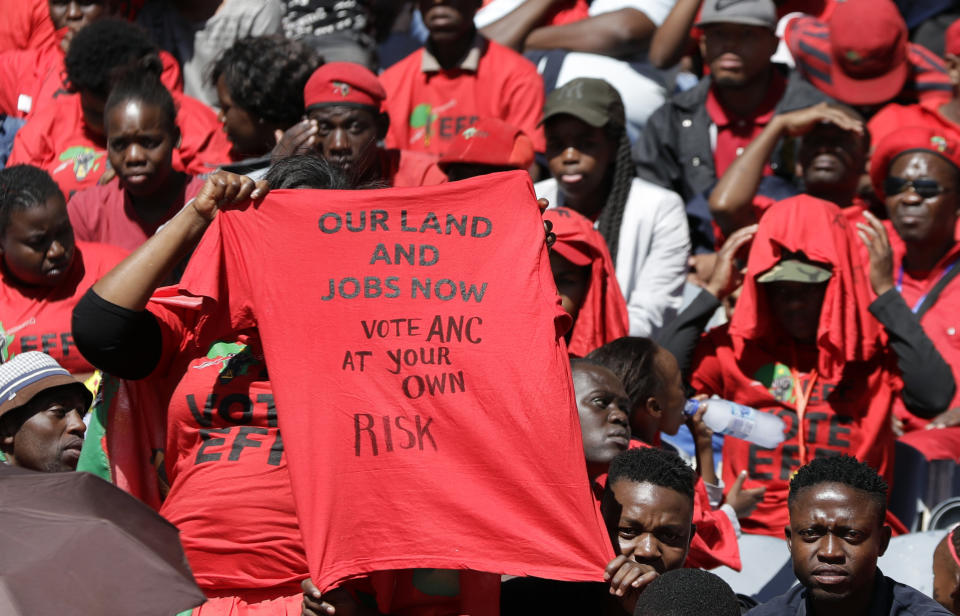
(583, 273)
(44, 270)
(802, 345)
(259, 83)
(67, 139)
(33, 78)
(693, 138)
(832, 158)
(197, 32)
(687, 592)
(942, 115)
(835, 535)
(648, 509)
(946, 571)
(655, 388)
(917, 172)
(436, 92)
(41, 416)
(861, 56)
(141, 134)
(604, 410)
(605, 39)
(345, 101)
(489, 146)
(647, 506)
(589, 158)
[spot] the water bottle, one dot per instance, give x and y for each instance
(738, 421)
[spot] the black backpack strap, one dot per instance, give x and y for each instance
(938, 288)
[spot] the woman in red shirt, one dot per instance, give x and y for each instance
(44, 269)
(141, 133)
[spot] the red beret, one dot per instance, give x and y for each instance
(490, 142)
(911, 139)
(952, 39)
(343, 83)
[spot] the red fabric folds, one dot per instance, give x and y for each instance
(603, 315)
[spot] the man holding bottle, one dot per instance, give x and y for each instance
(803, 346)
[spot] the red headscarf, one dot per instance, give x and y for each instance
(820, 230)
(603, 315)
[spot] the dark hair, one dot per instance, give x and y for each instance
(840, 469)
(266, 76)
(611, 216)
(100, 49)
(307, 171)
(22, 187)
(141, 82)
(651, 465)
(685, 592)
(632, 359)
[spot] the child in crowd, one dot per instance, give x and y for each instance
(644, 225)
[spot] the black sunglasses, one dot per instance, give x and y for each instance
(925, 188)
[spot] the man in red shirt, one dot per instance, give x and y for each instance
(458, 77)
(345, 102)
(917, 171)
(861, 56)
(692, 139)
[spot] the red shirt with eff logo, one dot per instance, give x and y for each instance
(38, 318)
(429, 106)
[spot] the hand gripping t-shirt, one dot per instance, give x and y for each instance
(422, 388)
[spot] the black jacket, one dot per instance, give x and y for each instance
(890, 598)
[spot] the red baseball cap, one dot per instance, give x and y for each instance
(868, 45)
(911, 139)
(952, 39)
(490, 142)
(343, 83)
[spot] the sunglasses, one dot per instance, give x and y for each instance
(925, 188)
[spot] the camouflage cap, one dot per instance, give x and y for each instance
(793, 270)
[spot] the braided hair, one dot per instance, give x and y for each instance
(21, 188)
(611, 216)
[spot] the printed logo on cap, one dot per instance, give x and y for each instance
(343, 89)
(939, 143)
(853, 56)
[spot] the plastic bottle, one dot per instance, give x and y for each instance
(738, 421)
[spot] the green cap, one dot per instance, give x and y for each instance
(793, 270)
(594, 101)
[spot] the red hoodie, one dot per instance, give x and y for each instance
(849, 392)
(603, 314)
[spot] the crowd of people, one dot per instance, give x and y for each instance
(748, 200)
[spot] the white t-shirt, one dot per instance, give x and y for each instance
(652, 255)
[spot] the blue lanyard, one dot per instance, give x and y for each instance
(919, 303)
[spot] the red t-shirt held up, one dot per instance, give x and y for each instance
(38, 318)
(416, 434)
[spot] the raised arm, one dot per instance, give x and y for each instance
(731, 200)
(617, 33)
(670, 39)
(512, 29)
